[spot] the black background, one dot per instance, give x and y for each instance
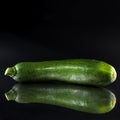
(48, 30)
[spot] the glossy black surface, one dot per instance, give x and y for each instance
(58, 30)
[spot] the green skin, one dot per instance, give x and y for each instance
(86, 99)
(78, 71)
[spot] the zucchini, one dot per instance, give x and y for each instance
(86, 99)
(78, 71)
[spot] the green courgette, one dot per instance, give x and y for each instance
(87, 99)
(79, 71)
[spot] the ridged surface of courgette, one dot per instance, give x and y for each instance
(79, 71)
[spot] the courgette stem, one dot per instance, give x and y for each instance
(10, 71)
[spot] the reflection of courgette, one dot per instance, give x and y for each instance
(80, 71)
(81, 98)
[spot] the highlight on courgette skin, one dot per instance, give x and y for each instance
(86, 99)
(78, 71)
